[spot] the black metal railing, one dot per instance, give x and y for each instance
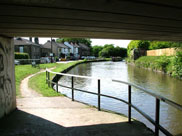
(158, 98)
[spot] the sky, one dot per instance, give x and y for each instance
(120, 43)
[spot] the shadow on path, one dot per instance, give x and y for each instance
(21, 123)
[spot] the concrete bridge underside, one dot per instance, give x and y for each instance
(116, 19)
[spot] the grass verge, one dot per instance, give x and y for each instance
(22, 71)
(38, 82)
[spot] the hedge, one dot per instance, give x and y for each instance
(21, 55)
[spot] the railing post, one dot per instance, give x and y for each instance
(157, 116)
(48, 79)
(46, 76)
(57, 84)
(129, 101)
(99, 94)
(72, 86)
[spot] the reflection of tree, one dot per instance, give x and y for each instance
(156, 81)
(166, 86)
(82, 69)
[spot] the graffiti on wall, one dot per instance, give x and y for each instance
(6, 89)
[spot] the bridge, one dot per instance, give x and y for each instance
(113, 19)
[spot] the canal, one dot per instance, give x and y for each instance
(159, 83)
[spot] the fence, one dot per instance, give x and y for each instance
(27, 61)
(160, 52)
(158, 98)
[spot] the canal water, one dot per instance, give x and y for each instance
(159, 83)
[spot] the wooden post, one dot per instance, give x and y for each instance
(99, 94)
(157, 117)
(72, 86)
(46, 76)
(48, 79)
(57, 84)
(129, 101)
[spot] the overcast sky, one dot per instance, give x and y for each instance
(121, 43)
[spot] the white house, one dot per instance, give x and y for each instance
(64, 49)
(74, 49)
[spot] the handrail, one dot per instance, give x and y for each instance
(158, 97)
(178, 106)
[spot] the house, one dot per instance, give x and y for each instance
(26, 46)
(74, 49)
(45, 51)
(58, 49)
(65, 50)
(84, 50)
(55, 48)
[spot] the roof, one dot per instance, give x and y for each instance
(22, 41)
(76, 45)
(62, 45)
(48, 45)
(41, 46)
(84, 46)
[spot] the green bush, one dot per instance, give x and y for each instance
(162, 63)
(21, 55)
(154, 62)
(177, 65)
(137, 44)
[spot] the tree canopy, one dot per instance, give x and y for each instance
(151, 45)
(85, 41)
(108, 50)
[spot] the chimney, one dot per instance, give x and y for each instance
(30, 39)
(36, 40)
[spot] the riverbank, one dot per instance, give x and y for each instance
(171, 65)
(38, 82)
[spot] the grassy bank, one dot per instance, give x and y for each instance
(171, 65)
(22, 71)
(38, 82)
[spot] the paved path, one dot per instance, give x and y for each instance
(25, 90)
(59, 116)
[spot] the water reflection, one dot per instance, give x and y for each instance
(162, 84)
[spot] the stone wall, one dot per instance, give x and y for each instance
(160, 52)
(7, 76)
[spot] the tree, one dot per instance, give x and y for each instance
(95, 50)
(104, 53)
(110, 51)
(85, 41)
(120, 52)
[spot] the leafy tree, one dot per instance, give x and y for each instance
(163, 44)
(96, 49)
(85, 41)
(104, 53)
(110, 51)
(120, 52)
(138, 44)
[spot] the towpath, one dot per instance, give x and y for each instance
(59, 116)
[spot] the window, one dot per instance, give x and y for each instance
(21, 49)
